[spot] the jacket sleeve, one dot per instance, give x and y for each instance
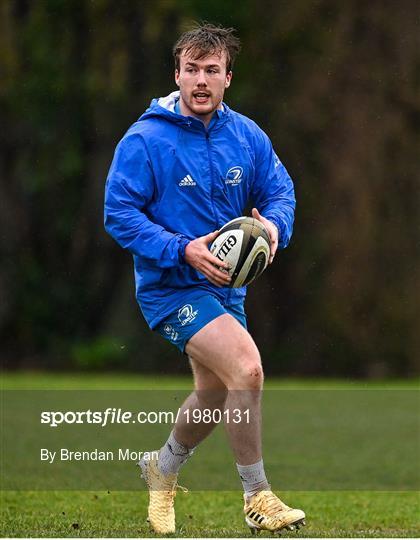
(130, 187)
(272, 192)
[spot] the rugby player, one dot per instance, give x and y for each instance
(185, 168)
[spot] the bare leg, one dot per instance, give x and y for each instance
(226, 349)
(210, 393)
(227, 361)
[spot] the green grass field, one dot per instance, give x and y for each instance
(330, 513)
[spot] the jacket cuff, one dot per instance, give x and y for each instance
(183, 242)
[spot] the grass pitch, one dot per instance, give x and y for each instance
(205, 514)
(199, 513)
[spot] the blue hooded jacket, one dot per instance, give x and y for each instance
(172, 180)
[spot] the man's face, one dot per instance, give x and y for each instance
(202, 84)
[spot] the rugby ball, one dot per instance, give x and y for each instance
(244, 243)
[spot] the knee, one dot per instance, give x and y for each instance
(249, 374)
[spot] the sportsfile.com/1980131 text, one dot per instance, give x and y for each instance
(113, 415)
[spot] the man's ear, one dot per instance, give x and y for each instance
(177, 77)
(228, 79)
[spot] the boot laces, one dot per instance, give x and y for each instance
(169, 493)
(270, 504)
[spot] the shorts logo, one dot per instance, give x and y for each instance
(168, 329)
(234, 175)
(186, 314)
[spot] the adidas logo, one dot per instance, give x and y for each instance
(187, 181)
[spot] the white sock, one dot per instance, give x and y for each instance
(172, 455)
(253, 478)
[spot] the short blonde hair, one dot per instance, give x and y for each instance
(206, 39)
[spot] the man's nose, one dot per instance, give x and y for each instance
(201, 81)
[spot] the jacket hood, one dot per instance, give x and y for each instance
(164, 107)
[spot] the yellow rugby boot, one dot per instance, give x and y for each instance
(162, 493)
(265, 511)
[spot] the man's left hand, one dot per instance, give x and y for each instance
(272, 231)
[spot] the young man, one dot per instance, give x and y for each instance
(188, 166)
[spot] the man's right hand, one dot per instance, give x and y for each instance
(197, 254)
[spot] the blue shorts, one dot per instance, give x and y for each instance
(193, 315)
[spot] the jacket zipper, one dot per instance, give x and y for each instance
(229, 292)
(208, 143)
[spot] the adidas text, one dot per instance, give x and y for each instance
(187, 181)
